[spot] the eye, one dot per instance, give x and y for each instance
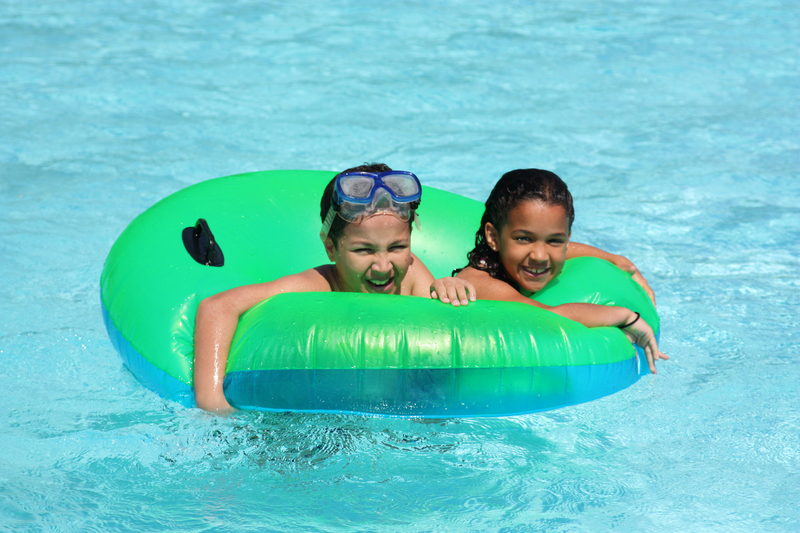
(398, 248)
(557, 242)
(522, 239)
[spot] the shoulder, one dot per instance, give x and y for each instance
(489, 288)
(319, 279)
(484, 282)
(473, 275)
(418, 279)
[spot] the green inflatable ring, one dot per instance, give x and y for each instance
(344, 352)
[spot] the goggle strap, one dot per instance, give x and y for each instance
(326, 226)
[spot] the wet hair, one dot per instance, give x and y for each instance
(511, 190)
(338, 224)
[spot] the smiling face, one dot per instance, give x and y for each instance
(372, 256)
(532, 244)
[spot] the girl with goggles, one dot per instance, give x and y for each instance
(369, 243)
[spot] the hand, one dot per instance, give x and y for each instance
(642, 334)
(453, 290)
(214, 403)
(623, 263)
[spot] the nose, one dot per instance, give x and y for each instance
(538, 252)
(382, 264)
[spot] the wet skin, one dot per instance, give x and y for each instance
(373, 256)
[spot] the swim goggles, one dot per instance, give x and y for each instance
(358, 196)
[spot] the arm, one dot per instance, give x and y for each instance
(215, 324)
(576, 249)
(450, 290)
(590, 315)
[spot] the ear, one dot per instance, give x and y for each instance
(492, 236)
(330, 249)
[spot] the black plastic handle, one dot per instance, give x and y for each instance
(201, 245)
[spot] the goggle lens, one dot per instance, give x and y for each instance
(360, 187)
(402, 185)
(356, 186)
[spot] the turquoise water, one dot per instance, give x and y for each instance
(676, 125)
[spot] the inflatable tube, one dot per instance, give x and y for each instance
(343, 352)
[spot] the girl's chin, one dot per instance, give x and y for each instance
(529, 287)
(531, 284)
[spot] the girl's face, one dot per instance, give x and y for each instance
(372, 256)
(532, 244)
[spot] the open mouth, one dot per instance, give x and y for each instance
(384, 285)
(536, 273)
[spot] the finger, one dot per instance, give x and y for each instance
(462, 294)
(471, 290)
(648, 352)
(439, 292)
(452, 294)
(657, 353)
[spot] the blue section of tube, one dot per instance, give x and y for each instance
(148, 374)
(428, 393)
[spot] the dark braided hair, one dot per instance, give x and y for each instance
(512, 189)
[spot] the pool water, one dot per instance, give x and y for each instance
(676, 125)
